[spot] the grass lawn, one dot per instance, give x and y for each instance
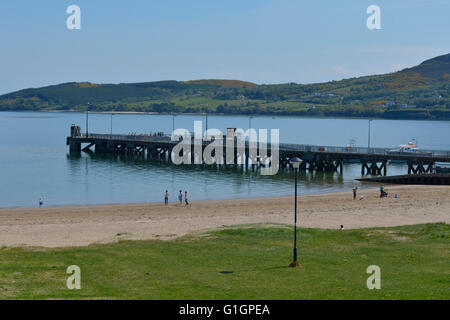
(249, 262)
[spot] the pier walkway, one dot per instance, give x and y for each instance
(373, 161)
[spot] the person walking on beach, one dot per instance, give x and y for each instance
(180, 197)
(41, 202)
(355, 190)
(166, 198)
(186, 198)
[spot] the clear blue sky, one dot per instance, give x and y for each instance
(263, 41)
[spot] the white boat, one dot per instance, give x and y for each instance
(412, 146)
(405, 149)
(351, 144)
(351, 147)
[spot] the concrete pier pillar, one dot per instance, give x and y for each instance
(99, 148)
(74, 147)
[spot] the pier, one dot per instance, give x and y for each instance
(374, 161)
(425, 179)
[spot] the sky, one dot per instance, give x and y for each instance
(261, 41)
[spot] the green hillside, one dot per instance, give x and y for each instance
(420, 92)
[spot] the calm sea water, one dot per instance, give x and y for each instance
(34, 159)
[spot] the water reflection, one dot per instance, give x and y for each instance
(33, 158)
(146, 178)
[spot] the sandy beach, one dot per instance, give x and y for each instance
(85, 225)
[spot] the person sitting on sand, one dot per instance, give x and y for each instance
(382, 192)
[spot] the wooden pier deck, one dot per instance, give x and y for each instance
(373, 161)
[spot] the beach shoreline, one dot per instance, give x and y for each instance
(364, 186)
(68, 226)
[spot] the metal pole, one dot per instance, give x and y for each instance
(368, 142)
(87, 121)
(111, 123)
(207, 124)
(295, 220)
(173, 123)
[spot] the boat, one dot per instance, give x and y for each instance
(351, 147)
(351, 144)
(407, 149)
(410, 147)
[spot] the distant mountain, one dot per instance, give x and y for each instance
(420, 92)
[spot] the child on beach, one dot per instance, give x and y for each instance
(355, 190)
(180, 197)
(166, 198)
(186, 198)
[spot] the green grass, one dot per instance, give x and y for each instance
(241, 263)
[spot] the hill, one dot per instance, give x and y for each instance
(224, 83)
(420, 92)
(437, 69)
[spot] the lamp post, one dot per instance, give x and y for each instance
(368, 142)
(111, 122)
(295, 162)
(206, 116)
(173, 122)
(87, 120)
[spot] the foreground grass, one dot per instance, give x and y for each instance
(245, 263)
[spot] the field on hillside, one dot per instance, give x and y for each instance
(420, 92)
(249, 262)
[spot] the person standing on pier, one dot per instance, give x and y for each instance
(166, 198)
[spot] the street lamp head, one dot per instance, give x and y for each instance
(295, 162)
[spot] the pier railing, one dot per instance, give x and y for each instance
(166, 138)
(126, 137)
(364, 150)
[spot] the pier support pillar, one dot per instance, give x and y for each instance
(373, 168)
(74, 147)
(418, 167)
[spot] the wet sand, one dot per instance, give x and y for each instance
(85, 225)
